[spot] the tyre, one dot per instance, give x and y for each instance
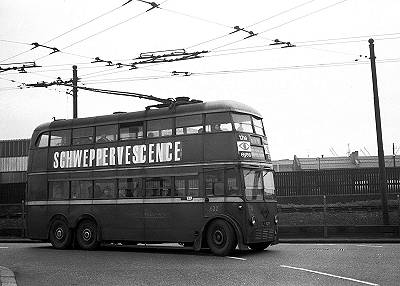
(259, 246)
(60, 235)
(86, 235)
(221, 237)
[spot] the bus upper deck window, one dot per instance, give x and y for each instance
(133, 130)
(258, 126)
(218, 122)
(82, 136)
(60, 138)
(189, 124)
(43, 140)
(242, 122)
(106, 133)
(159, 128)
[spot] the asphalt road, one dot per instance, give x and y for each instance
(283, 264)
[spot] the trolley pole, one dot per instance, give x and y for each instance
(75, 91)
(381, 156)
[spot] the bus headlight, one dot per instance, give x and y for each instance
(253, 220)
(276, 219)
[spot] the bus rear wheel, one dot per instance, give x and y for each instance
(259, 246)
(221, 237)
(86, 235)
(60, 235)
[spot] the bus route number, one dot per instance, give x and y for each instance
(245, 154)
(213, 209)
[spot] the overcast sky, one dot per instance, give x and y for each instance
(316, 98)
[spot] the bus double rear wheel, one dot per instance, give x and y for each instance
(221, 237)
(60, 235)
(86, 235)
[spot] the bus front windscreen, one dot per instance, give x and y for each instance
(259, 184)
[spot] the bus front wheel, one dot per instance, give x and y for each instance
(60, 235)
(221, 237)
(86, 235)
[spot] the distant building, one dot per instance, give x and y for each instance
(13, 166)
(354, 161)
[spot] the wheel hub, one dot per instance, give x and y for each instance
(218, 237)
(87, 234)
(59, 233)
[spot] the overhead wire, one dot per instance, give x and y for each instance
(249, 70)
(102, 31)
(285, 23)
(228, 34)
(68, 31)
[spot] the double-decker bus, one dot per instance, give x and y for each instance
(195, 173)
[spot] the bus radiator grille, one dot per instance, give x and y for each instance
(264, 234)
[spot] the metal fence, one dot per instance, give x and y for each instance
(346, 202)
(335, 182)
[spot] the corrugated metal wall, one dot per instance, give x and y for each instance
(14, 148)
(13, 164)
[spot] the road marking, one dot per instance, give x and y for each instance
(329, 244)
(330, 275)
(366, 245)
(3, 247)
(238, 258)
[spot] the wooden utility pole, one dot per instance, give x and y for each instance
(75, 91)
(381, 155)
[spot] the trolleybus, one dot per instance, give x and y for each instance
(197, 173)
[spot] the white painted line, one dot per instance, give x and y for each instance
(3, 247)
(366, 245)
(330, 244)
(330, 275)
(238, 258)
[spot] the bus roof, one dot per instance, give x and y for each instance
(164, 112)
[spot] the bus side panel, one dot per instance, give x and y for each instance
(192, 148)
(37, 222)
(105, 215)
(172, 221)
(129, 222)
(219, 146)
(38, 160)
(37, 217)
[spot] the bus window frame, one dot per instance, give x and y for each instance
(254, 126)
(210, 128)
(38, 140)
(241, 114)
(141, 189)
(62, 145)
(86, 143)
(185, 126)
(132, 123)
(96, 140)
(58, 199)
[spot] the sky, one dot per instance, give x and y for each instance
(315, 95)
